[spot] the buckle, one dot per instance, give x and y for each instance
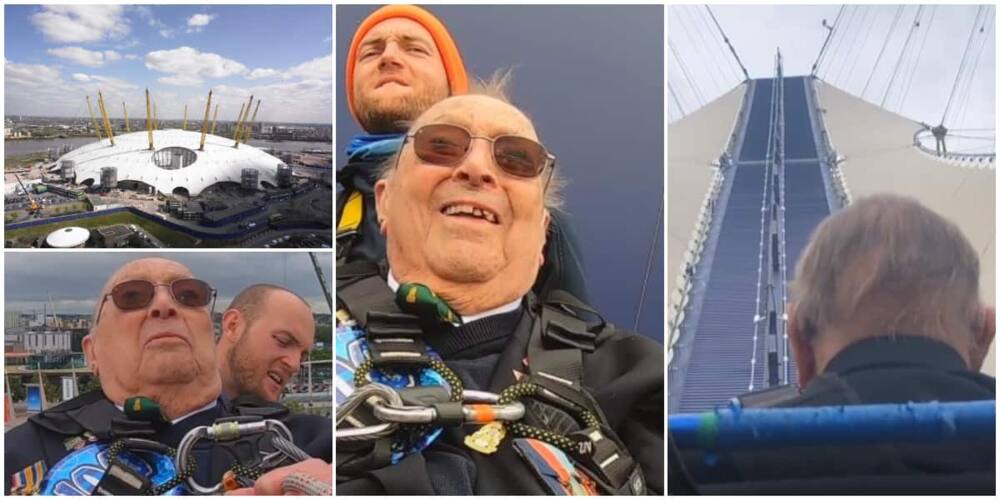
(396, 338)
(610, 462)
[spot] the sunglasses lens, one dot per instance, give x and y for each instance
(519, 156)
(191, 292)
(132, 294)
(441, 144)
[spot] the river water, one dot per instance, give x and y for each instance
(29, 146)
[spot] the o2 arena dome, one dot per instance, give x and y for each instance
(175, 164)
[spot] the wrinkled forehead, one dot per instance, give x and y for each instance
(153, 269)
(481, 115)
(398, 28)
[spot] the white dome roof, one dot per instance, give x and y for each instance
(67, 237)
(133, 160)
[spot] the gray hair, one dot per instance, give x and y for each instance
(889, 258)
(497, 86)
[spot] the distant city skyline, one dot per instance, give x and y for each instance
(55, 56)
(73, 280)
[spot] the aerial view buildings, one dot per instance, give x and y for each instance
(168, 126)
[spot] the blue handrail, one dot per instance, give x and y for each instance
(734, 428)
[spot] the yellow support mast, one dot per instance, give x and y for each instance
(149, 121)
(184, 123)
(204, 122)
(104, 115)
(236, 127)
(239, 126)
(214, 116)
(92, 120)
(253, 119)
(125, 110)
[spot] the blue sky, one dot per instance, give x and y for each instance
(56, 55)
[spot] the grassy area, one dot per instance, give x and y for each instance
(49, 211)
(24, 160)
(169, 237)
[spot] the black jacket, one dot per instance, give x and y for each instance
(44, 436)
(896, 369)
(624, 374)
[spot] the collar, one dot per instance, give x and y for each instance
(367, 145)
(897, 349)
(506, 308)
(209, 406)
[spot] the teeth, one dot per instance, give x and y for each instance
(274, 377)
(461, 209)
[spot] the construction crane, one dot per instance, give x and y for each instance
(322, 281)
(34, 207)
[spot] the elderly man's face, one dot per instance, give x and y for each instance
(428, 242)
(398, 74)
(163, 343)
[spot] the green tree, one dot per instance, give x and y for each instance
(320, 354)
(17, 390)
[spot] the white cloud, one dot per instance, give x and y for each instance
(131, 57)
(188, 66)
(29, 74)
(198, 22)
(81, 77)
(320, 68)
(262, 73)
(84, 57)
(81, 23)
(180, 80)
(167, 33)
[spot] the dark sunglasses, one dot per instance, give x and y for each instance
(447, 145)
(137, 294)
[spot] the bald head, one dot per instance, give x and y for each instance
(161, 349)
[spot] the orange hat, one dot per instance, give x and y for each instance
(458, 81)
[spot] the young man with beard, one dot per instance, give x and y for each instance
(266, 333)
(401, 61)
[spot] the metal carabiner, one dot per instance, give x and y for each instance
(224, 431)
(382, 394)
(482, 410)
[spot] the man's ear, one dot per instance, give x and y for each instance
(232, 325)
(984, 335)
(89, 353)
(381, 203)
(802, 350)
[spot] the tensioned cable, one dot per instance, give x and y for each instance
(687, 76)
(822, 49)
(848, 59)
(966, 94)
(961, 66)
(670, 87)
(902, 54)
(844, 41)
(725, 69)
(649, 267)
(728, 43)
(846, 44)
(916, 62)
(888, 36)
(864, 43)
(704, 50)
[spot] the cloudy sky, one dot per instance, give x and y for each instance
(757, 31)
(74, 279)
(56, 55)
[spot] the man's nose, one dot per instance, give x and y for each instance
(477, 168)
(163, 305)
(390, 55)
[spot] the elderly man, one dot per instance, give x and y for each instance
(401, 61)
(151, 345)
(266, 332)
(885, 310)
(464, 210)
